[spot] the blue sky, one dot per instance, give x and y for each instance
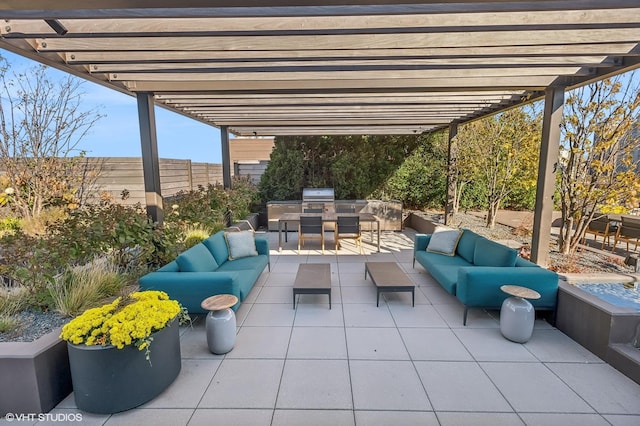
(118, 135)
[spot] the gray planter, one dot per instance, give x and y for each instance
(34, 376)
(109, 380)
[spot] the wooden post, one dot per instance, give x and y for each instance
(150, 162)
(226, 157)
(451, 173)
(547, 165)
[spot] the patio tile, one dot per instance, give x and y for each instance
(555, 346)
(261, 342)
(531, 387)
(284, 268)
(242, 383)
(317, 343)
(253, 294)
(622, 420)
(375, 343)
(387, 385)
(315, 384)
(354, 279)
(241, 313)
(281, 279)
(235, 417)
(351, 269)
(275, 294)
(318, 314)
(615, 393)
(152, 416)
(487, 344)
(360, 294)
(313, 417)
(436, 295)
(187, 389)
(434, 344)
(270, 314)
(416, 316)
(479, 419)
(193, 344)
(544, 419)
(366, 315)
(396, 418)
(460, 386)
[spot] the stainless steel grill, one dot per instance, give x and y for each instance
(322, 199)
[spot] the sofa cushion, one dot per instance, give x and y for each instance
(444, 241)
(467, 245)
(197, 259)
(490, 253)
(240, 244)
(217, 245)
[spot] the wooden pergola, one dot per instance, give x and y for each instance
(305, 67)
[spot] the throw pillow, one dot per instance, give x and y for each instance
(444, 241)
(240, 244)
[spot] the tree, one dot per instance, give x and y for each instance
(499, 152)
(596, 159)
(41, 125)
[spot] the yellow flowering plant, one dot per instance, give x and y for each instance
(128, 320)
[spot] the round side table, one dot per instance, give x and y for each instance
(517, 314)
(221, 323)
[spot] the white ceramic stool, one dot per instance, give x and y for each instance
(517, 314)
(221, 323)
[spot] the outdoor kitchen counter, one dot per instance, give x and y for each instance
(326, 218)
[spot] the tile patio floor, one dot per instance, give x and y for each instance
(394, 365)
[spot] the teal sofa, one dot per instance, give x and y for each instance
(478, 269)
(205, 270)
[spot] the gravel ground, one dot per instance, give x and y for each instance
(33, 324)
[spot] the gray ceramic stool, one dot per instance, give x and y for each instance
(517, 315)
(220, 323)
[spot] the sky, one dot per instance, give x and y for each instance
(118, 135)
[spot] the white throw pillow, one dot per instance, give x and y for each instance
(240, 244)
(444, 241)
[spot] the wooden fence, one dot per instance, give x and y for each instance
(124, 174)
(119, 174)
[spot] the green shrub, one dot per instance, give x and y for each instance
(81, 287)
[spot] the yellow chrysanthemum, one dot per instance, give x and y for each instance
(124, 322)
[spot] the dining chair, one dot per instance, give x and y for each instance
(348, 227)
(628, 232)
(310, 227)
(600, 227)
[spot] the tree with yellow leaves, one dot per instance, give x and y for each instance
(597, 166)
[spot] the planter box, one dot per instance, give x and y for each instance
(34, 376)
(604, 329)
(109, 380)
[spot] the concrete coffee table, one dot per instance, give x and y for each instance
(220, 323)
(517, 315)
(312, 278)
(388, 277)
